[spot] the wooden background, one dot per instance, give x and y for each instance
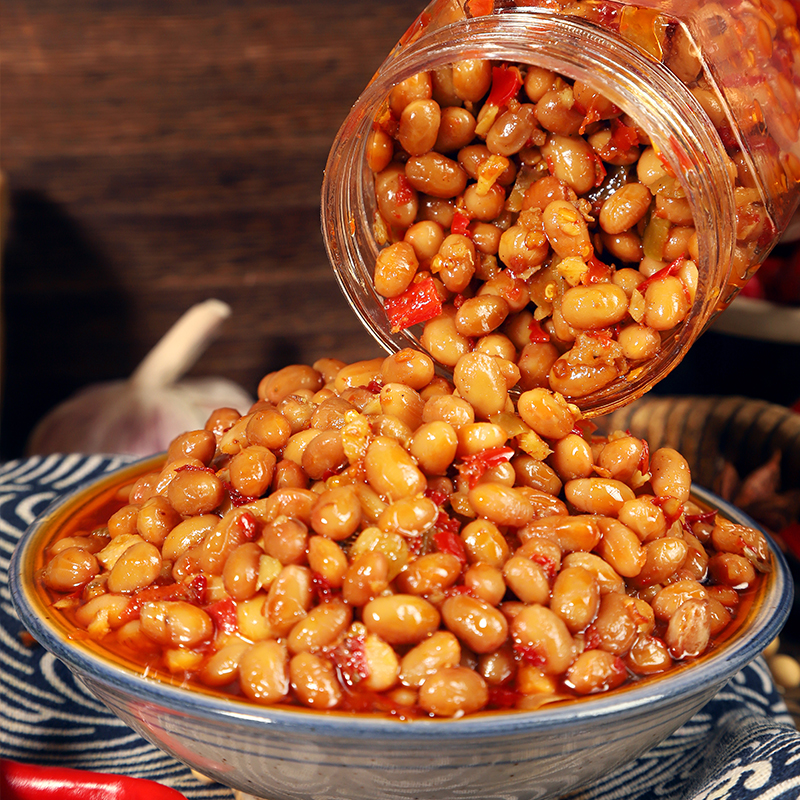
(161, 152)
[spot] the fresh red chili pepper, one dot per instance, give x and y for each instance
(20, 781)
(419, 303)
(506, 83)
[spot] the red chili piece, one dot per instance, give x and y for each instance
(501, 697)
(623, 136)
(506, 83)
(350, 661)
(547, 564)
(460, 224)
(321, 586)
(664, 272)
(475, 466)
(249, 525)
(223, 612)
(671, 507)
(196, 589)
(437, 496)
(20, 781)
(447, 541)
(194, 468)
(419, 303)
(598, 272)
(237, 498)
(530, 654)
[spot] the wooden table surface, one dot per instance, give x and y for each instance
(161, 153)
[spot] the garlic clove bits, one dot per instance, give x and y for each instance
(141, 416)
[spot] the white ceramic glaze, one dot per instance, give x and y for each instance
(294, 755)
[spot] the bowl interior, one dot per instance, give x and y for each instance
(745, 638)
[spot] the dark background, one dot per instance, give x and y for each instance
(161, 153)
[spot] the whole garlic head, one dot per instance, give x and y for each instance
(140, 416)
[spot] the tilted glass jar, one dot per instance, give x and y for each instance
(712, 87)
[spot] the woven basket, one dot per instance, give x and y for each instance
(715, 433)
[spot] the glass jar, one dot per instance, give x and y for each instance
(711, 87)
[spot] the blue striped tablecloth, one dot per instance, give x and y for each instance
(741, 746)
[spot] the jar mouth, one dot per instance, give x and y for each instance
(631, 79)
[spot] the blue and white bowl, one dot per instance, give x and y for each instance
(284, 754)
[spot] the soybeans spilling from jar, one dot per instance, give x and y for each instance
(523, 215)
(372, 538)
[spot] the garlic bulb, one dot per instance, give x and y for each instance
(140, 416)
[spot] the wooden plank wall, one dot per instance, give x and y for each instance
(160, 152)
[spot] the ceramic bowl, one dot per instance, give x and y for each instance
(286, 754)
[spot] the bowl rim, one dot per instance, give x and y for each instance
(771, 607)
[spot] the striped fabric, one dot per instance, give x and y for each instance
(741, 746)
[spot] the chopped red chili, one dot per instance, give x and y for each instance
(506, 83)
(537, 334)
(350, 660)
(664, 272)
(447, 541)
(460, 224)
(623, 136)
(419, 303)
(598, 272)
(475, 466)
(530, 654)
(223, 612)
